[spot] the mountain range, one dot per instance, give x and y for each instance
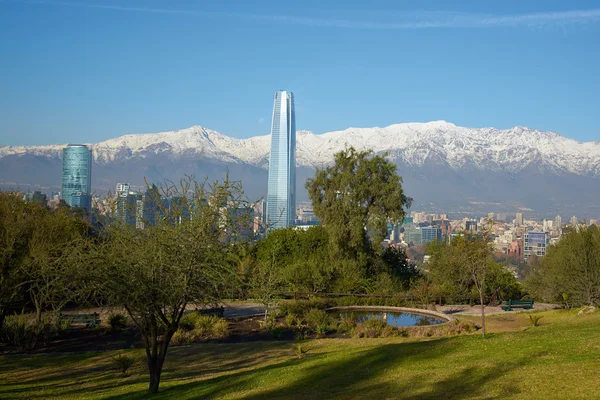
(445, 167)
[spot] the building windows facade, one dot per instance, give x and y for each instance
(77, 176)
(281, 194)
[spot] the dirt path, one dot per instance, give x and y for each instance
(489, 310)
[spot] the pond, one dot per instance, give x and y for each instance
(392, 318)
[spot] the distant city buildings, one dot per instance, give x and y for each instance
(519, 219)
(281, 193)
(77, 176)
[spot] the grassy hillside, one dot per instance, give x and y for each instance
(559, 359)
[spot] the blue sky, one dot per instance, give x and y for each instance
(90, 70)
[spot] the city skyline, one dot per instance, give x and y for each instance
(475, 64)
(281, 190)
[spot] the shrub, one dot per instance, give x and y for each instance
(390, 331)
(24, 332)
(117, 321)
(368, 301)
(124, 363)
(372, 328)
(183, 337)
(194, 327)
(316, 317)
(19, 331)
(220, 329)
(322, 329)
(534, 320)
(301, 334)
(301, 307)
(347, 322)
(292, 320)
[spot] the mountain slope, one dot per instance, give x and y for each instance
(440, 154)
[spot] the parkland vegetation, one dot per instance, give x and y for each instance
(197, 251)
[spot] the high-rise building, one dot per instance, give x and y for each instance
(536, 243)
(430, 234)
(77, 176)
(281, 194)
(519, 219)
(574, 221)
(558, 222)
(127, 204)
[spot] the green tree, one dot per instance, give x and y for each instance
(155, 273)
(570, 271)
(17, 222)
(50, 276)
(465, 264)
(355, 198)
(299, 257)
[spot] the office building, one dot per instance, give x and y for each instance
(281, 193)
(77, 176)
(536, 244)
(430, 234)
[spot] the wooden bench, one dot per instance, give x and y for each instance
(80, 319)
(217, 312)
(525, 304)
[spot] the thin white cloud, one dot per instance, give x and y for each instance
(408, 20)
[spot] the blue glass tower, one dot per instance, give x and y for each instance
(281, 194)
(77, 176)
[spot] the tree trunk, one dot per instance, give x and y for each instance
(38, 312)
(482, 314)
(266, 313)
(155, 368)
(2, 316)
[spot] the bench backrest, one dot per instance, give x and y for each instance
(519, 302)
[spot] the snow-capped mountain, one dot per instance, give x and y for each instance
(434, 153)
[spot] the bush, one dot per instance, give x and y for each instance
(124, 363)
(181, 337)
(301, 307)
(194, 327)
(292, 320)
(322, 330)
(23, 332)
(117, 321)
(316, 317)
(347, 322)
(372, 328)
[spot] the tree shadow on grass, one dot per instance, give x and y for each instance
(385, 371)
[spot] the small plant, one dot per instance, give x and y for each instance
(299, 349)
(117, 321)
(220, 329)
(316, 317)
(534, 320)
(321, 330)
(301, 334)
(291, 320)
(347, 322)
(124, 363)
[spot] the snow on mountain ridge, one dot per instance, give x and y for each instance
(415, 144)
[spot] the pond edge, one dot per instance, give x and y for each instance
(420, 311)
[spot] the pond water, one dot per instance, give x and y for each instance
(392, 318)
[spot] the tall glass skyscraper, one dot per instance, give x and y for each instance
(281, 194)
(77, 176)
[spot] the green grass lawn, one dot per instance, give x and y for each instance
(558, 360)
